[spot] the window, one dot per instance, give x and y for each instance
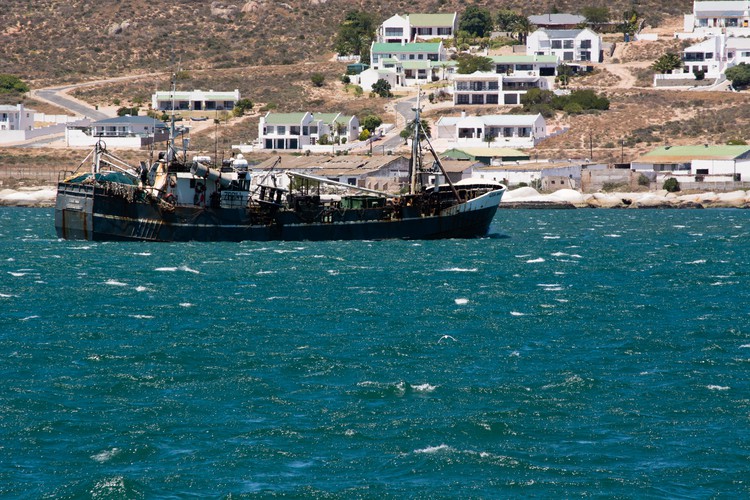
(492, 99)
(492, 86)
(556, 44)
(507, 132)
(424, 31)
(293, 144)
(352, 181)
(524, 67)
(313, 129)
(567, 44)
(269, 143)
(432, 57)
(281, 130)
(709, 55)
(294, 130)
(462, 98)
(567, 56)
(585, 44)
(445, 31)
(305, 130)
(394, 32)
(477, 99)
(585, 55)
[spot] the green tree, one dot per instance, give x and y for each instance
(595, 15)
(241, 106)
(318, 79)
(468, 64)
(355, 34)
(739, 75)
(371, 122)
(423, 132)
(10, 83)
(522, 27)
(489, 139)
(476, 21)
(382, 88)
(671, 185)
(668, 62)
(128, 111)
(505, 19)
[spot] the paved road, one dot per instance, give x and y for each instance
(51, 95)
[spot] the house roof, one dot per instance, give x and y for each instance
(556, 19)
(328, 117)
(456, 165)
(562, 33)
(720, 8)
(496, 120)
(473, 153)
(131, 120)
(432, 19)
(703, 46)
(523, 59)
(320, 163)
(680, 154)
(406, 48)
(185, 94)
(284, 118)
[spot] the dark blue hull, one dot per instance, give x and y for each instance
(88, 213)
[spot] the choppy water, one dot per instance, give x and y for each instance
(573, 353)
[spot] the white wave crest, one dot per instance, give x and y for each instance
(434, 449)
(516, 313)
(717, 387)
(115, 283)
(424, 388)
(105, 455)
(461, 302)
(459, 270)
(535, 261)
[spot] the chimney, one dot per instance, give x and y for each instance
(463, 113)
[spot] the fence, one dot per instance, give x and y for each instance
(32, 173)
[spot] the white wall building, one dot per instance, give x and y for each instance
(482, 88)
(299, 131)
(715, 55)
(412, 63)
(16, 117)
(122, 131)
(196, 100)
(722, 163)
(414, 27)
(717, 17)
(579, 45)
(516, 131)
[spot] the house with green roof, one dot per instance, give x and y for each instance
(299, 131)
(411, 63)
(196, 100)
(413, 27)
(697, 163)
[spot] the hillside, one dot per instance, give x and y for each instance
(46, 41)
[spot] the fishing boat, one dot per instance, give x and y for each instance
(176, 199)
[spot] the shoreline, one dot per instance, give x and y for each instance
(520, 198)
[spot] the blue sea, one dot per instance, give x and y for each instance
(572, 353)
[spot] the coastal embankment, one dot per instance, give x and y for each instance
(525, 197)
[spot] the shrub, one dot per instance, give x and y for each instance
(671, 185)
(643, 180)
(346, 80)
(318, 79)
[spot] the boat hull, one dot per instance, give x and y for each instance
(87, 212)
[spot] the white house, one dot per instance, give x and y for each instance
(518, 131)
(714, 55)
(122, 131)
(722, 163)
(579, 45)
(717, 17)
(16, 117)
(412, 63)
(196, 100)
(482, 88)
(296, 131)
(413, 27)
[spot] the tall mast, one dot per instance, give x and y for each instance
(416, 150)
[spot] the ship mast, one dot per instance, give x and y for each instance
(416, 149)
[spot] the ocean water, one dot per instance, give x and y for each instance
(572, 353)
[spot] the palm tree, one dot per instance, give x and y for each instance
(522, 27)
